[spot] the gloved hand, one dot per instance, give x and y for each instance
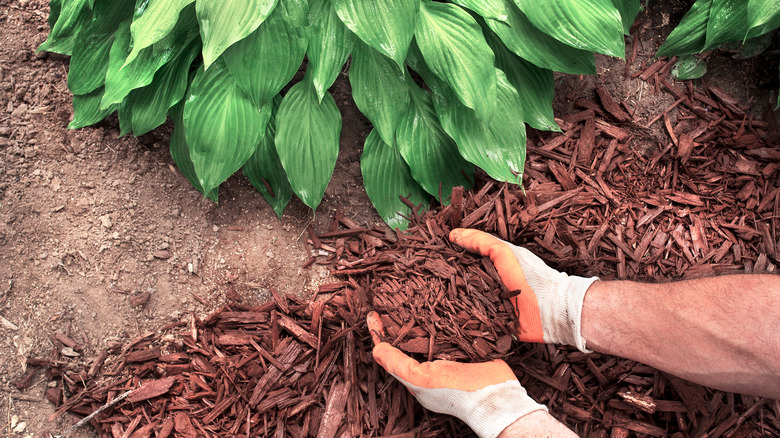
(549, 307)
(486, 396)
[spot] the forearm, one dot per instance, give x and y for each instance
(722, 332)
(538, 424)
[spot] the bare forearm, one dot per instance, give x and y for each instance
(538, 424)
(722, 332)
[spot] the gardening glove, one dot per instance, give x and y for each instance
(549, 306)
(486, 396)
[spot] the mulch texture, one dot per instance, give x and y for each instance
(706, 203)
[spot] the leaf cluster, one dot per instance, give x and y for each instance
(447, 85)
(711, 24)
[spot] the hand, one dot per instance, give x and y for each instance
(486, 396)
(549, 307)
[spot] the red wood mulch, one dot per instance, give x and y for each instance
(706, 203)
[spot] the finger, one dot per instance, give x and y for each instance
(396, 362)
(375, 327)
(500, 254)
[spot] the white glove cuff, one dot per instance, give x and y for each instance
(487, 411)
(576, 297)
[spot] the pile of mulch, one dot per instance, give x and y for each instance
(595, 202)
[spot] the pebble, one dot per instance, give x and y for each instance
(105, 220)
(269, 254)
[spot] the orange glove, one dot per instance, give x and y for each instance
(549, 307)
(486, 396)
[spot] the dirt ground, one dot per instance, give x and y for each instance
(89, 221)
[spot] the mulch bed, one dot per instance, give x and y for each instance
(706, 203)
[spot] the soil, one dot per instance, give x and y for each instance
(89, 220)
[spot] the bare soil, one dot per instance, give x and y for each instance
(89, 220)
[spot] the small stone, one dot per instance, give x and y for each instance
(105, 220)
(215, 228)
(20, 427)
(43, 255)
(55, 184)
(69, 352)
(162, 254)
(115, 235)
(269, 254)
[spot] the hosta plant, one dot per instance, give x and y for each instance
(711, 24)
(447, 85)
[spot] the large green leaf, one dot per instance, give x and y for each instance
(690, 35)
(495, 9)
(385, 25)
(54, 12)
(498, 147)
(535, 46)
(72, 16)
(265, 171)
(431, 154)
(89, 62)
(329, 46)
(121, 78)
(180, 152)
(593, 25)
(380, 91)
(223, 22)
(763, 14)
(221, 125)
(387, 177)
(689, 67)
(265, 61)
(628, 9)
(149, 105)
(307, 140)
(535, 86)
(727, 22)
(454, 48)
(87, 111)
(157, 21)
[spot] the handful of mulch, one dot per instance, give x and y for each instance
(436, 300)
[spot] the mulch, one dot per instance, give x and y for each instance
(593, 203)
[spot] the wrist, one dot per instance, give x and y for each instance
(496, 407)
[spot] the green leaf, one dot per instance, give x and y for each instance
(54, 12)
(727, 22)
(87, 111)
(593, 25)
(431, 154)
(265, 171)
(386, 177)
(385, 25)
(535, 46)
(380, 91)
(265, 61)
(121, 78)
(125, 114)
(329, 47)
(689, 67)
(150, 104)
(454, 48)
(157, 21)
(535, 86)
(763, 14)
(223, 22)
(89, 62)
(690, 35)
(628, 9)
(495, 9)
(307, 140)
(180, 152)
(498, 147)
(73, 15)
(221, 124)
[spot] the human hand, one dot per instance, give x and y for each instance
(486, 396)
(549, 306)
